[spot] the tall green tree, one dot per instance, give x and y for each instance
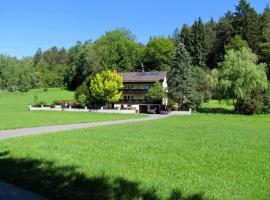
(185, 37)
(84, 63)
(265, 39)
(158, 54)
(225, 31)
(242, 79)
(198, 46)
(16, 74)
(247, 24)
(119, 50)
(181, 81)
(210, 40)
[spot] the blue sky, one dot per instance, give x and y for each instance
(29, 24)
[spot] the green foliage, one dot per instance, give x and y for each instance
(265, 40)
(241, 78)
(225, 32)
(236, 43)
(247, 24)
(158, 54)
(119, 50)
(194, 39)
(82, 95)
(156, 93)
(210, 42)
(202, 83)
(50, 67)
(198, 45)
(181, 81)
(82, 100)
(105, 87)
(82, 89)
(16, 74)
(84, 62)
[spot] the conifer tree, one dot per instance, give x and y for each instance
(210, 40)
(182, 86)
(246, 24)
(197, 49)
(265, 39)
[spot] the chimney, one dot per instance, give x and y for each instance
(142, 67)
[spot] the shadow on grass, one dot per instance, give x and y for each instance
(65, 182)
(216, 111)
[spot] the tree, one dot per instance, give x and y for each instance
(119, 50)
(210, 40)
(181, 82)
(185, 37)
(156, 93)
(247, 24)
(16, 74)
(236, 43)
(225, 31)
(158, 54)
(50, 66)
(26, 77)
(84, 63)
(198, 46)
(264, 51)
(105, 87)
(243, 80)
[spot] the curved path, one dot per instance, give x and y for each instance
(5, 134)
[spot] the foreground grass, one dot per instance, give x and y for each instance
(14, 113)
(203, 156)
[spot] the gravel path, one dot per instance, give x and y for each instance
(5, 134)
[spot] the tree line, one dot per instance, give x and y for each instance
(200, 52)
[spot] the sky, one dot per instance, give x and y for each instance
(26, 25)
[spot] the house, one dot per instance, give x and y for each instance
(136, 86)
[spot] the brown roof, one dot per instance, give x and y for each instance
(143, 76)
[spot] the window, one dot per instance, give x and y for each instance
(146, 86)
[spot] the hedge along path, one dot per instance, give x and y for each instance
(5, 134)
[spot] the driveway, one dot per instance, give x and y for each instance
(5, 134)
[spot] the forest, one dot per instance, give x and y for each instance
(224, 59)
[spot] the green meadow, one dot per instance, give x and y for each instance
(14, 110)
(203, 156)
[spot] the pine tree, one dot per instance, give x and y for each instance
(265, 39)
(182, 86)
(197, 48)
(210, 40)
(246, 24)
(185, 37)
(225, 32)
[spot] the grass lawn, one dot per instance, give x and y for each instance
(198, 157)
(216, 106)
(14, 113)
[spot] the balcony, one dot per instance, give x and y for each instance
(138, 101)
(134, 91)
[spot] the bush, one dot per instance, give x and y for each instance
(82, 100)
(63, 102)
(81, 90)
(40, 103)
(249, 107)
